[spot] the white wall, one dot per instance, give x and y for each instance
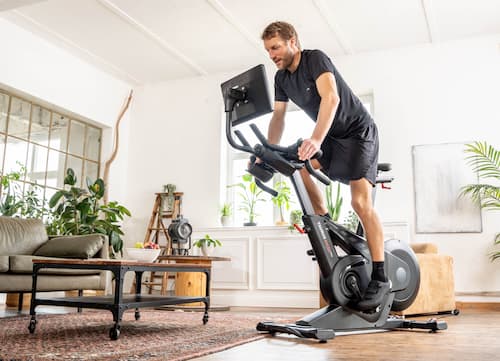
(430, 95)
(175, 138)
(424, 95)
(33, 66)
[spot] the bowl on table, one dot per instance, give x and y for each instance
(142, 254)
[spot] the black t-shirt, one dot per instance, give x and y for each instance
(351, 117)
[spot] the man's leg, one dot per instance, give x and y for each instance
(313, 190)
(361, 201)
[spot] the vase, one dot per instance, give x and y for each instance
(225, 221)
(206, 250)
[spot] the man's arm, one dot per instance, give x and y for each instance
(327, 89)
(277, 123)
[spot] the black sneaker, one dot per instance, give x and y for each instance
(374, 295)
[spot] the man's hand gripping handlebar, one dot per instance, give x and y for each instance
(275, 158)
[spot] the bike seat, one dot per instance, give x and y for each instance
(384, 167)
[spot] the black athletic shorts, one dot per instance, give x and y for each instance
(351, 158)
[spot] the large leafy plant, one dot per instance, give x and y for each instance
(79, 211)
(14, 203)
(250, 196)
(282, 199)
(333, 202)
(485, 160)
(11, 201)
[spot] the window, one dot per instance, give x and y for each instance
(45, 142)
(298, 125)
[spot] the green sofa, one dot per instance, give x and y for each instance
(22, 240)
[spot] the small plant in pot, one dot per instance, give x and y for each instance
(295, 219)
(225, 214)
(207, 245)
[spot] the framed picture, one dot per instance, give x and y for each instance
(439, 173)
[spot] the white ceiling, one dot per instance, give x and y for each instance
(146, 41)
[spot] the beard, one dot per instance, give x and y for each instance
(286, 60)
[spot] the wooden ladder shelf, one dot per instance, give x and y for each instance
(156, 230)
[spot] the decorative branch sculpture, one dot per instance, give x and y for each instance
(116, 144)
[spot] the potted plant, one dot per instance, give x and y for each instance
(282, 200)
(351, 222)
(207, 245)
(485, 160)
(79, 211)
(250, 195)
(11, 201)
(225, 214)
(333, 204)
(14, 202)
(295, 218)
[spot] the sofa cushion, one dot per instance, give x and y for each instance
(24, 264)
(4, 263)
(85, 246)
(21, 236)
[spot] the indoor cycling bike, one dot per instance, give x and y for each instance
(343, 256)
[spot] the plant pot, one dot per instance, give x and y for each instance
(225, 221)
(207, 251)
(281, 223)
(246, 224)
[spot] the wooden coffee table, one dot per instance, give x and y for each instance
(117, 303)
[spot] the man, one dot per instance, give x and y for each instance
(344, 131)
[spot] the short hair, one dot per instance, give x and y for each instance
(285, 30)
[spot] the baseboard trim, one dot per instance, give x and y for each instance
(475, 305)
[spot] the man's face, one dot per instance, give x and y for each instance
(280, 51)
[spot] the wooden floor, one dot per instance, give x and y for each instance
(472, 335)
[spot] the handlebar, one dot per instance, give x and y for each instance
(285, 159)
(275, 158)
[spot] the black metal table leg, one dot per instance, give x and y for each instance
(207, 296)
(32, 325)
(138, 284)
(80, 294)
(119, 273)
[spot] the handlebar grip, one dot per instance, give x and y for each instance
(318, 154)
(317, 174)
(265, 188)
(260, 170)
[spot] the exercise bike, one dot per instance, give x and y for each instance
(343, 256)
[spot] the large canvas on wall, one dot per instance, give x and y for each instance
(439, 172)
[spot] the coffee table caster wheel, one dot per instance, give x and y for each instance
(137, 315)
(205, 319)
(114, 332)
(32, 326)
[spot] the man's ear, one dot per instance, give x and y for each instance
(293, 42)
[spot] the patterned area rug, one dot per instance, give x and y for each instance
(158, 335)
